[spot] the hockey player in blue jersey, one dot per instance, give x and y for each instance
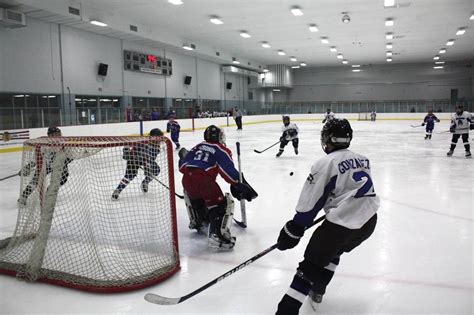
(140, 156)
(429, 121)
(174, 128)
(204, 199)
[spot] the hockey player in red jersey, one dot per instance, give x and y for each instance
(339, 183)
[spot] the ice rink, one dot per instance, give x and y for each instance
(418, 261)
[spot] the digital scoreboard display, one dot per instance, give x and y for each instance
(147, 63)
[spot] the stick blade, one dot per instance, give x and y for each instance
(256, 151)
(241, 224)
(161, 300)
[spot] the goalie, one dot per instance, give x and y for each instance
(140, 156)
(204, 199)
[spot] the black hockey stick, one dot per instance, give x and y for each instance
(158, 299)
(242, 224)
(10, 176)
(416, 126)
(164, 185)
(256, 151)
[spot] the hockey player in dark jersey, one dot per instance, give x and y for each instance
(140, 156)
(204, 199)
(174, 128)
(290, 133)
(429, 121)
(48, 159)
(340, 183)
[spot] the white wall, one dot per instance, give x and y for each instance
(209, 80)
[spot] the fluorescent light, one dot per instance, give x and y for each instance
(187, 47)
(389, 3)
(281, 53)
(345, 62)
(266, 70)
(324, 40)
(216, 20)
(438, 67)
(293, 59)
(355, 66)
(436, 58)
(340, 56)
(175, 2)
(296, 11)
(245, 34)
(266, 45)
(295, 67)
(442, 50)
(356, 70)
(461, 31)
(98, 23)
(389, 46)
(472, 17)
(236, 62)
(333, 49)
(303, 64)
(389, 59)
(389, 36)
(313, 28)
(389, 54)
(20, 95)
(440, 62)
(389, 22)
(450, 42)
(276, 90)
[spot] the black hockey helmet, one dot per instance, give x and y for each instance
(459, 109)
(338, 133)
(286, 119)
(54, 132)
(214, 134)
(155, 132)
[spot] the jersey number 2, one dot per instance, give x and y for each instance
(362, 192)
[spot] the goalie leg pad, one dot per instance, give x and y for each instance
(220, 218)
(197, 212)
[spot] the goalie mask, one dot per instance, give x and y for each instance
(214, 134)
(338, 133)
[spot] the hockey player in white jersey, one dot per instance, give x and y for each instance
(328, 116)
(461, 122)
(290, 133)
(340, 183)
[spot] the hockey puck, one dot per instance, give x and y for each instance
(291, 173)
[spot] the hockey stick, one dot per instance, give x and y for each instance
(416, 126)
(256, 151)
(158, 299)
(162, 184)
(446, 131)
(10, 176)
(242, 224)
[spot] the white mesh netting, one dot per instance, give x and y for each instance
(71, 231)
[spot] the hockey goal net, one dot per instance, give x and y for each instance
(71, 232)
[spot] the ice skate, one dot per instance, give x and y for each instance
(279, 153)
(468, 154)
(296, 151)
(115, 194)
(22, 201)
(144, 186)
(450, 153)
(315, 299)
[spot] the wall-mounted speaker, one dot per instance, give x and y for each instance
(103, 69)
(248, 80)
(187, 80)
(229, 85)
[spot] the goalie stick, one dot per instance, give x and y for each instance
(257, 151)
(161, 300)
(242, 224)
(10, 176)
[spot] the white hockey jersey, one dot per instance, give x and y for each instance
(291, 131)
(340, 183)
(329, 116)
(461, 122)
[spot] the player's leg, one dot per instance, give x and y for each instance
(220, 219)
(467, 146)
(130, 173)
(151, 170)
(454, 140)
(29, 189)
(295, 145)
(282, 147)
(197, 212)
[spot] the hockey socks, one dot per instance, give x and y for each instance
(294, 298)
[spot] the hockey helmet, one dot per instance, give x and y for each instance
(338, 133)
(286, 119)
(459, 109)
(214, 134)
(156, 132)
(54, 132)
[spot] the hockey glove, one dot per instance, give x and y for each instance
(452, 129)
(290, 235)
(127, 155)
(292, 132)
(422, 124)
(471, 126)
(324, 121)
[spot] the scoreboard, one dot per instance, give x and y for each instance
(147, 63)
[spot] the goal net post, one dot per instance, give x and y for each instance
(71, 232)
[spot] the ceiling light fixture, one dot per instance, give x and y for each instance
(303, 64)
(389, 59)
(450, 42)
(333, 49)
(472, 17)
(389, 36)
(438, 67)
(216, 20)
(296, 11)
(266, 45)
(244, 34)
(235, 61)
(346, 19)
(355, 66)
(389, 22)
(187, 47)
(340, 56)
(324, 40)
(266, 70)
(313, 28)
(276, 90)
(281, 53)
(345, 62)
(389, 53)
(356, 70)
(295, 67)
(440, 62)
(442, 50)
(293, 58)
(389, 46)
(436, 58)
(175, 2)
(98, 23)
(389, 3)
(461, 31)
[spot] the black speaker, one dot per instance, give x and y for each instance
(229, 85)
(454, 95)
(103, 69)
(187, 80)
(248, 80)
